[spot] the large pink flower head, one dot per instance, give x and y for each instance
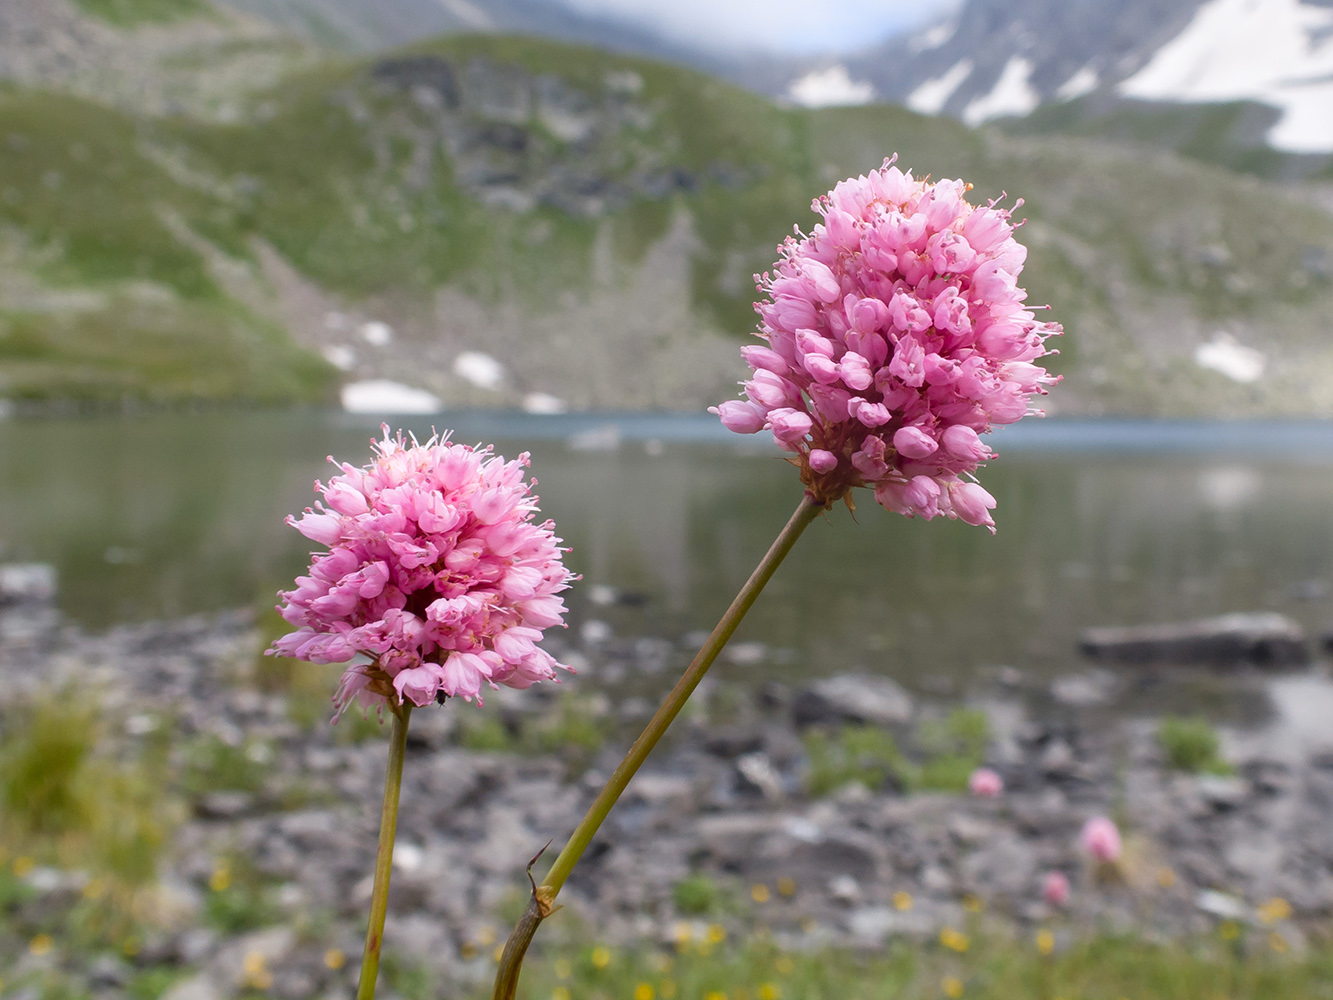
(896, 336)
(436, 570)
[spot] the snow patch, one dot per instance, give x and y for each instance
(1278, 52)
(1011, 95)
(480, 369)
(543, 402)
(340, 356)
(931, 96)
(933, 37)
(379, 395)
(1234, 360)
(828, 88)
(1082, 82)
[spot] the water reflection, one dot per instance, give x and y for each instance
(162, 516)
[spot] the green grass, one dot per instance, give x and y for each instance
(989, 966)
(1191, 744)
(866, 754)
(696, 895)
(951, 749)
(128, 13)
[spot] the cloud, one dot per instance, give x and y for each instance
(790, 26)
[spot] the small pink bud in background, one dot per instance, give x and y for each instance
(1101, 840)
(1055, 888)
(985, 783)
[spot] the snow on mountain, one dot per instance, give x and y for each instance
(832, 87)
(1004, 58)
(1279, 52)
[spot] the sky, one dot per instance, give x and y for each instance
(793, 27)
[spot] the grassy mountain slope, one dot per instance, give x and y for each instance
(573, 211)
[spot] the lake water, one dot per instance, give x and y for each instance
(1099, 523)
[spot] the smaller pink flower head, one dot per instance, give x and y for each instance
(1055, 888)
(437, 576)
(985, 783)
(1101, 840)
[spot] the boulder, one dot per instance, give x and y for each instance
(853, 698)
(27, 582)
(1261, 638)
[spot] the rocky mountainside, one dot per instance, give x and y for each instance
(491, 220)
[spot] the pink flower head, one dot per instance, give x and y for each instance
(436, 571)
(1055, 888)
(896, 336)
(1101, 840)
(985, 783)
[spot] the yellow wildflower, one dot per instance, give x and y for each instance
(601, 957)
(1275, 910)
(952, 987)
(1045, 941)
(220, 879)
(759, 892)
(334, 959)
(770, 991)
(41, 945)
(644, 992)
(954, 940)
(902, 900)
(787, 887)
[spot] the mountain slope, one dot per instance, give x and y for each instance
(590, 222)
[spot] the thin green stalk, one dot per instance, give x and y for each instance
(379, 897)
(543, 896)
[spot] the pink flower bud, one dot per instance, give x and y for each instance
(914, 442)
(823, 461)
(985, 783)
(1055, 888)
(1101, 840)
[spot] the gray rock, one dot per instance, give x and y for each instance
(1262, 638)
(27, 582)
(844, 889)
(757, 774)
(1222, 791)
(1220, 905)
(1084, 690)
(224, 805)
(853, 698)
(200, 987)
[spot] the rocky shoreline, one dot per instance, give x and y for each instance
(723, 803)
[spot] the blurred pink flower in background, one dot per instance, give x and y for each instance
(896, 335)
(436, 570)
(1055, 888)
(1101, 840)
(985, 783)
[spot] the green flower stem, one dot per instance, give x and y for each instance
(543, 896)
(379, 897)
